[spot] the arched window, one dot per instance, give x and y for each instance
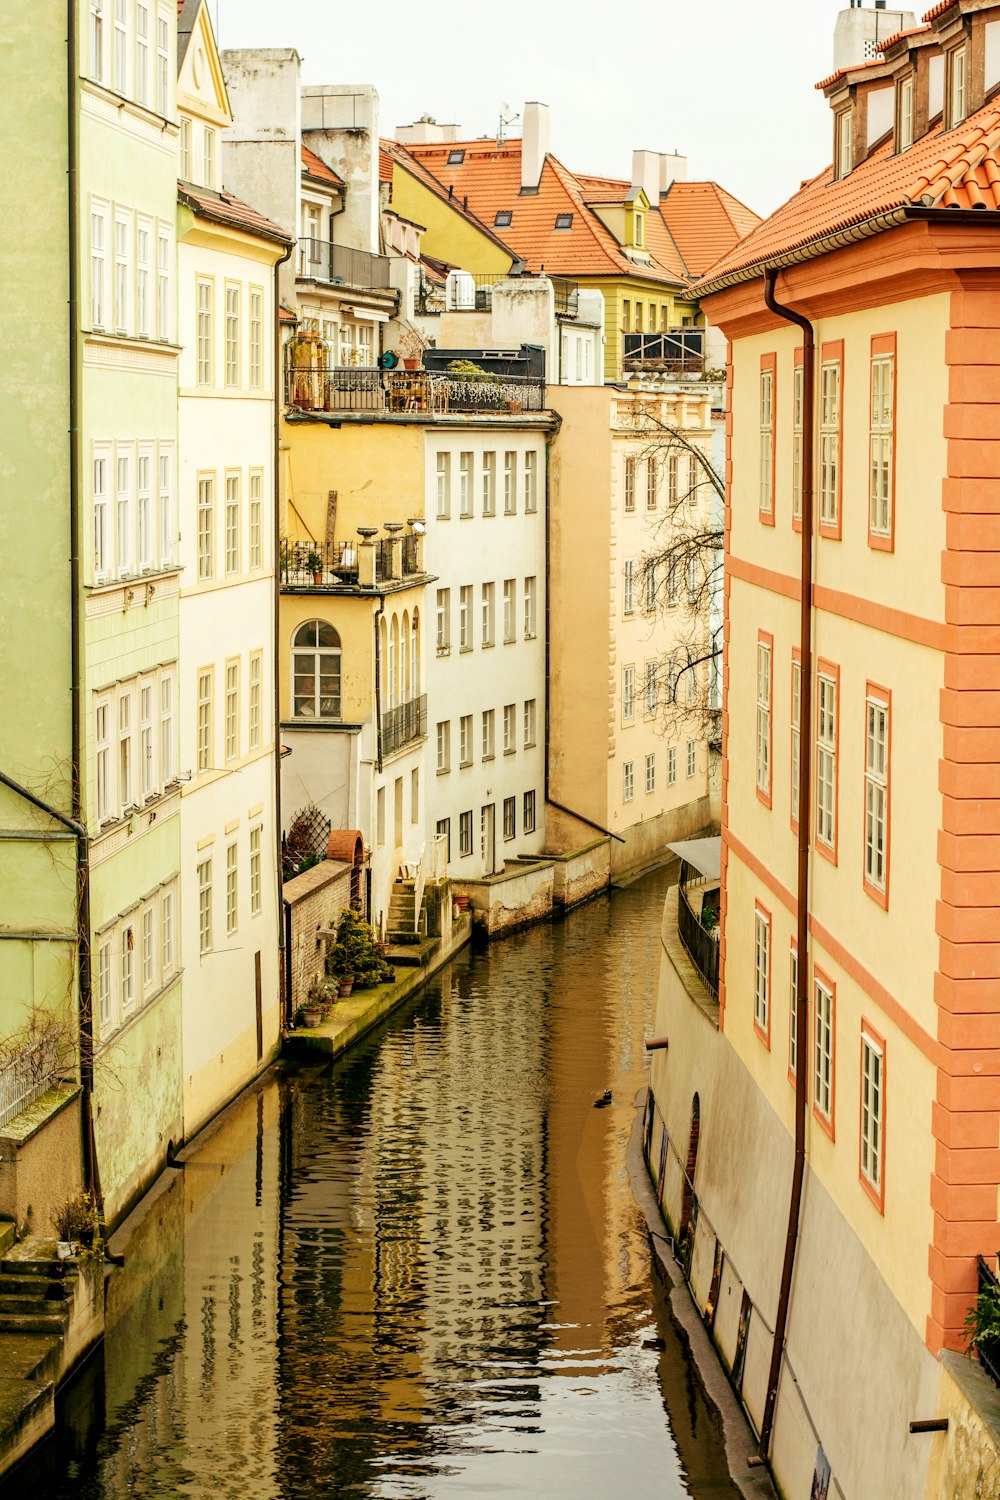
(393, 680)
(316, 671)
(404, 659)
(415, 656)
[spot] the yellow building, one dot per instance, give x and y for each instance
(851, 1039)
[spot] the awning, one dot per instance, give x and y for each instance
(703, 855)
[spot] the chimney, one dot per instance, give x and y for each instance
(534, 145)
(673, 168)
(646, 174)
(858, 32)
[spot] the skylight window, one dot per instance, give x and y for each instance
(564, 221)
(456, 158)
(503, 218)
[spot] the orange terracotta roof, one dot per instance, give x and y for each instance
(899, 36)
(705, 222)
(384, 165)
(939, 10)
(957, 169)
(490, 177)
(226, 208)
(401, 155)
(858, 67)
(316, 167)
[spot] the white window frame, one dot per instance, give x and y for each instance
(233, 525)
(510, 728)
(256, 559)
(256, 338)
(232, 711)
(530, 592)
(104, 768)
(880, 439)
(876, 855)
(204, 725)
(530, 482)
(99, 289)
(650, 772)
(489, 484)
(489, 614)
(671, 765)
(255, 691)
(823, 1024)
(206, 527)
(766, 490)
(628, 781)
(100, 470)
(691, 764)
(826, 760)
(442, 617)
(166, 693)
(204, 335)
(798, 389)
(628, 694)
(444, 486)
(465, 740)
(466, 472)
(761, 969)
(443, 746)
(489, 733)
(466, 605)
(528, 812)
(143, 271)
(204, 875)
(123, 228)
(829, 443)
(256, 870)
(510, 482)
(872, 1111)
(628, 587)
(231, 334)
(764, 690)
(232, 888)
(529, 723)
(509, 611)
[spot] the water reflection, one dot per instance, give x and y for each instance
(417, 1274)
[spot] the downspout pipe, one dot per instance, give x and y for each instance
(802, 884)
(279, 404)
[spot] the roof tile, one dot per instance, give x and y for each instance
(226, 208)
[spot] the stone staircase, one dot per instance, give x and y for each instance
(402, 932)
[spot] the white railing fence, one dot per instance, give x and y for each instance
(25, 1076)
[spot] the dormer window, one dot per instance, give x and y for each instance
(564, 221)
(904, 114)
(843, 143)
(503, 218)
(640, 228)
(456, 158)
(956, 102)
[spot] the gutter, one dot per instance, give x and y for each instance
(802, 887)
(279, 406)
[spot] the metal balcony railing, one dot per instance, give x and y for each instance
(321, 260)
(702, 947)
(27, 1075)
(320, 388)
(680, 350)
(333, 564)
(404, 724)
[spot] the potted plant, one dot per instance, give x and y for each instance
(311, 1009)
(411, 346)
(357, 954)
(77, 1223)
(314, 565)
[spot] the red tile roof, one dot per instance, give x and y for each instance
(959, 168)
(395, 153)
(705, 222)
(226, 208)
(384, 165)
(939, 10)
(315, 167)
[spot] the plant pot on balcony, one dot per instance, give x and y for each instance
(346, 986)
(317, 579)
(411, 364)
(515, 408)
(311, 1015)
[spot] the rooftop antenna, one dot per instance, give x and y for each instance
(506, 118)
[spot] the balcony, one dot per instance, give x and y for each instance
(319, 389)
(678, 351)
(26, 1075)
(312, 565)
(321, 260)
(404, 724)
(698, 905)
(566, 293)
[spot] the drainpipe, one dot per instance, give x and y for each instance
(802, 889)
(378, 617)
(279, 406)
(85, 1001)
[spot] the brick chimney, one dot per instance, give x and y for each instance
(534, 145)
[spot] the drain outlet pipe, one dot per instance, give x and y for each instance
(802, 888)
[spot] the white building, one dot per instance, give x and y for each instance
(229, 923)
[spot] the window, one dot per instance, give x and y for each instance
(626, 314)
(529, 609)
(101, 559)
(163, 254)
(380, 815)
(564, 221)
(124, 522)
(510, 484)
(844, 142)
(509, 610)
(204, 720)
(232, 710)
(455, 158)
(628, 587)
(162, 64)
(98, 252)
(823, 1043)
(691, 676)
(672, 590)
(651, 480)
(465, 833)
(503, 218)
(904, 115)
(123, 257)
(443, 830)
(143, 237)
(102, 760)
(208, 157)
(141, 52)
(167, 932)
(650, 573)
(509, 728)
(529, 722)
(256, 895)
(125, 786)
(206, 528)
(628, 694)
(693, 578)
(883, 407)
(316, 671)
(956, 87)
(489, 736)
(148, 951)
(465, 740)
(762, 973)
(876, 795)
(793, 1011)
(650, 773)
(530, 483)
(829, 443)
(628, 781)
(120, 43)
(764, 644)
(528, 817)
(205, 906)
(256, 338)
(798, 379)
(97, 73)
(127, 968)
(629, 485)
(489, 484)
(650, 688)
(185, 149)
(104, 985)
(465, 607)
(443, 622)
(232, 524)
(465, 484)
(146, 764)
(166, 729)
(443, 746)
(489, 613)
(232, 335)
(692, 751)
(443, 486)
(256, 520)
(766, 476)
(509, 817)
(826, 763)
(256, 670)
(796, 719)
(872, 1092)
(232, 888)
(203, 342)
(167, 530)
(671, 765)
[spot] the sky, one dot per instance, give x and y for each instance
(728, 83)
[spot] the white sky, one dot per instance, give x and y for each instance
(728, 83)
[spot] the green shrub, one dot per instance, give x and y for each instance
(357, 953)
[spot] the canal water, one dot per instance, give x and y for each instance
(417, 1273)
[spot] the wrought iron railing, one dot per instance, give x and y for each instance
(702, 947)
(567, 297)
(404, 724)
(679, 350)
(328, 564)
(330, 389)
(321, 260)
(26, 1076)
(988, 1349)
